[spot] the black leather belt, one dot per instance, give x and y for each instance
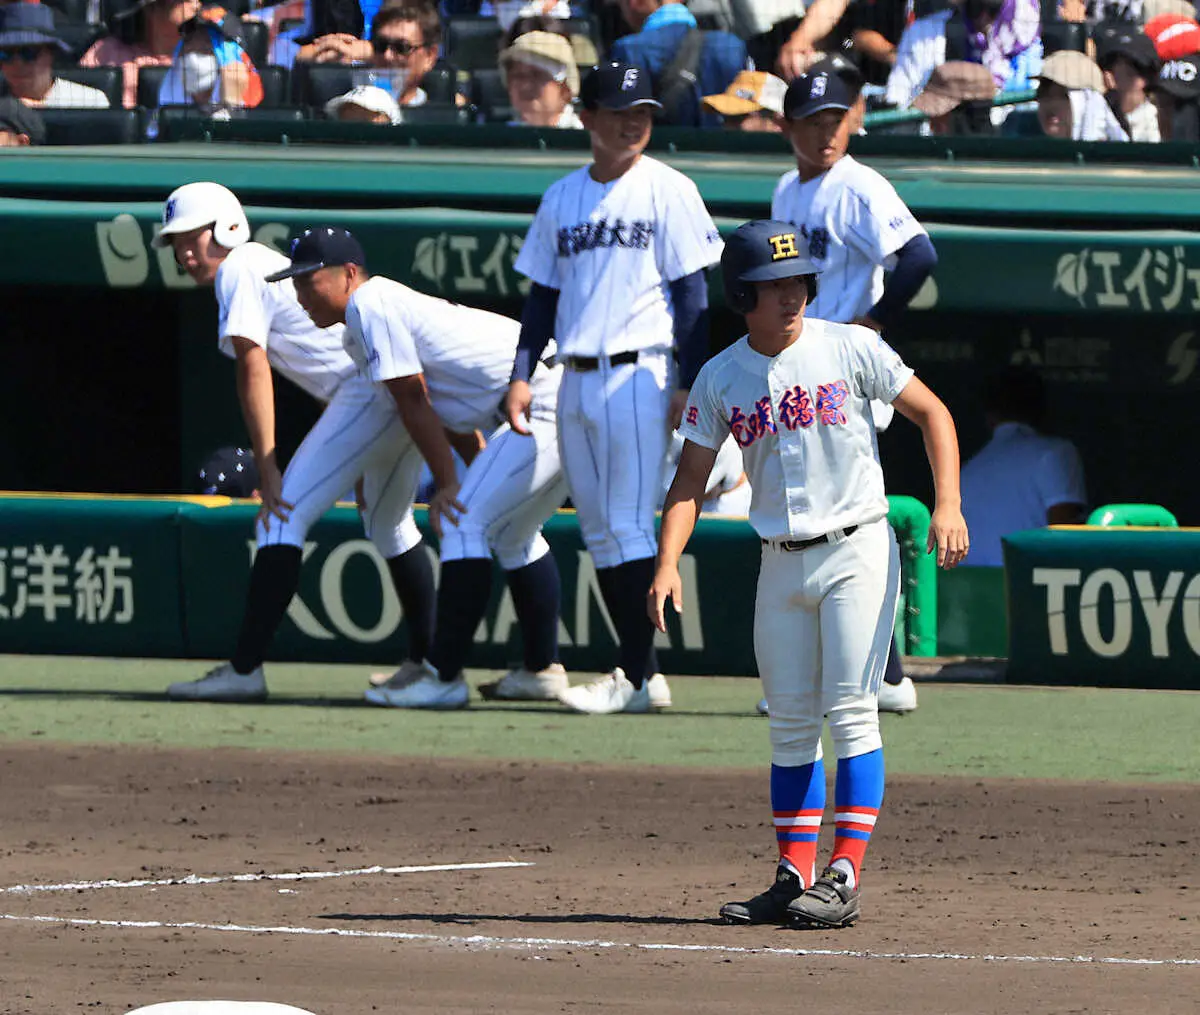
(593, 362)
(796, 545)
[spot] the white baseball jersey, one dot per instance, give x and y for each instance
(803, 422)
(267, 314)
(727, 490)
(465, 354)
(611, 248)
(854, 223)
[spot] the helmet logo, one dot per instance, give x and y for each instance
(783, 246)
(169, 210)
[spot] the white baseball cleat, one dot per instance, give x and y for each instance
(526, 685)
(405, 675)
(610, 693)
(222, 683)
(426, 691)
(901, 697)
(660, 693)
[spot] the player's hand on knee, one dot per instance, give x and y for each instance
(948, 532)
(271, 491)
(667, 585)
(445, 505)
(679, 400)
(517, 405)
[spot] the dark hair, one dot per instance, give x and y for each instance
(1016, 394)
(973, 118)
(534, 23)
(424, 14)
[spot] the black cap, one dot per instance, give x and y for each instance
(765, 249)
(17, 117)
(617, 86)
(815, 90)
(1180, 78)
(229, 472)
(842, 66)
(318, 248)
(1126, 41)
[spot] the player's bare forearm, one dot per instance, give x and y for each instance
(819, 21)
(468, 445)
(256, 393)
(684, 501)
(423, 425)
(867, 40)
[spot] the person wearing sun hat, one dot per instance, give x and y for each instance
(28, 46)
(539, 71)
(751, 102)
(1070, 100)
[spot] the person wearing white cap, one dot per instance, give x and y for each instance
(365, 104)
(539, 71)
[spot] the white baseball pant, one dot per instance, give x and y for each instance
(360, 434)
(613, 436)
(823, 623)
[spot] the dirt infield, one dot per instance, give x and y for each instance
(978, 897)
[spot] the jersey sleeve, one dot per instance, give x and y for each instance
(688, 240)
(538, 259)
(704, 419)
(385, 338)
(1060, 476)
(883, 373)
(241, 306)
(878, 223)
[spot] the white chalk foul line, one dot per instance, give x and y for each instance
(483, 941)
(216, 879)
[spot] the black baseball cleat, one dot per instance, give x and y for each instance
(830, 903)
(769, 907)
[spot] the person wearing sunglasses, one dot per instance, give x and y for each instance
(404, 43)
(28, 44)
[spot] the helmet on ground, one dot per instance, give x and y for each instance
(760, 251)
(195, 205)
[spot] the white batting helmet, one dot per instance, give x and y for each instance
(195, 205)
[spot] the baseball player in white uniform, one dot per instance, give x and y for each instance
(854, 227)
(445, 368)
(795, 394)
(357, 438)
(617, 254)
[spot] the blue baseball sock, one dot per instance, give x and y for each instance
(798, 801)
(463, 595)
(858, 795)
(537, 599)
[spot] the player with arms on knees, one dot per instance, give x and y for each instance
(854, 227)
(444, 369)
(357, 436)
(796, 393)
(617, 254)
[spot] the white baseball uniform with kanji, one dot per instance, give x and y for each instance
(356, 435)
(611, 250)
(823, 615)
(466, 358)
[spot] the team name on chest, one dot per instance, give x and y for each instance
(797, 410)
(818, 241)
(601, 234)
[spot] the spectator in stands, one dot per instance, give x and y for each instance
(871, 29)
(539, 71)
(586, 54)
(211, 71)
(144, 34)
(1003, 35)
(685, 62)
(27, 48)
(958, 99)
(365, 104)
(1177, 98)
(1070, 100)
(1130, 66)
(1173, 35)
(404, 47)
(19, 125)
(1021, 479)
(753, 102)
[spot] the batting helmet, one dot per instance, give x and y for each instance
(760, 251)
(195, 205)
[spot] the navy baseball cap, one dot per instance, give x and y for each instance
(318, 248)
(617, 86)
(815, 90)
(230, 472)
(765, 249)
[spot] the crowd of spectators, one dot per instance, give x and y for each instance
(1087, 70)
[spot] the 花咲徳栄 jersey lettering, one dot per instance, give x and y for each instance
(813, 396)
(851, 222)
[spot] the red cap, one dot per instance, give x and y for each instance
(1173, 35)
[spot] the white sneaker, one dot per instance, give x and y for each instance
(660, 693)
(761, 707)
(611, 693)
(408, 672)
(901, 697)
(427, 691)
(525, 685)
(222, 683)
